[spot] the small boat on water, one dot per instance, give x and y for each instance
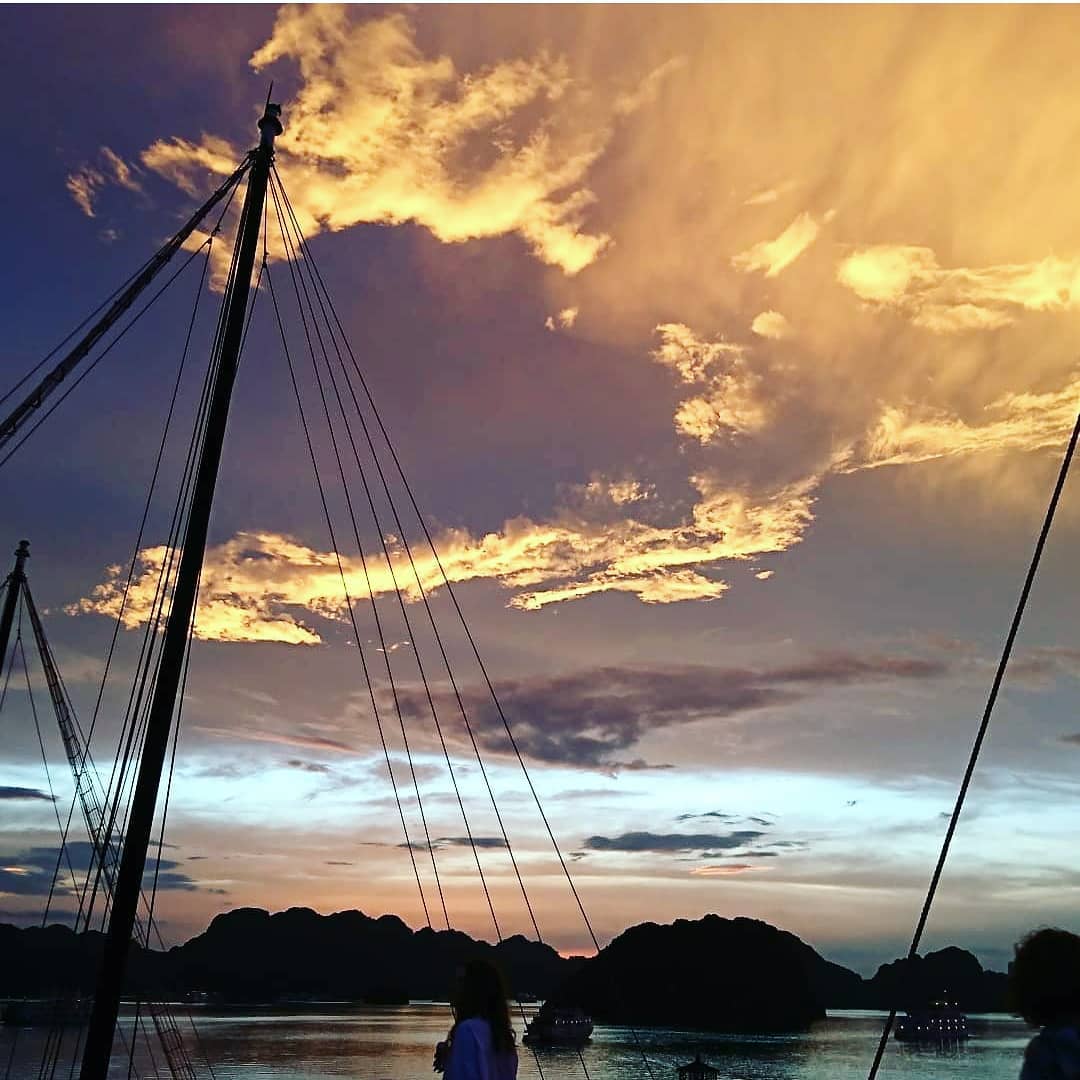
(940, 1021)
(558, 1027)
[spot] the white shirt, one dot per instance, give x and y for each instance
(473, 1057)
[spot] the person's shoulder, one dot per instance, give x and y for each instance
(1054, 1051)
(476, 1027)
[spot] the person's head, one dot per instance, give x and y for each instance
(480, 993)
(1044, 978)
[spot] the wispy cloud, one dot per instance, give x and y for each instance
(87, 182)
(905, 435)
(258, 586)
(910, 279)
(725, 870)
(305, 741)
(771, 257)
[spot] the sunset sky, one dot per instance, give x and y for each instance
(731, 353)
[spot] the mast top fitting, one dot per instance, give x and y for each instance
(270, 124)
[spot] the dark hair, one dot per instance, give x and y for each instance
(481, 993)
(1044, 979)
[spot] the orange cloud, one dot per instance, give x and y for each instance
(379, 132)
(910, 279)
(773, 256)
(911, 434)
(732, 401)
(771, 324)
(258, 586)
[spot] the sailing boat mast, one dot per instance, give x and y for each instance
(16, 580)
(99, 1039)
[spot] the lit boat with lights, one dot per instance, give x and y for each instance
(558, 1027)
(940, 1021)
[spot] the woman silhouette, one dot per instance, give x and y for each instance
(480, 1045)
(1044, 987)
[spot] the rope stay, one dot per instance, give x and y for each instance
(344, 393)
(33, 401)
(91, 795)
(984, 726)
(310, 320)
(383, 640)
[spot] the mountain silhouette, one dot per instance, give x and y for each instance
(712, 973)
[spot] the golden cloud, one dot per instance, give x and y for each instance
(773, 256)
(379, 132)
(771, 324)
(564, 320)
(259, 585)
(86, 182)
(478, 135)
(947, 301)
(907, 435)
(732, 401)
(83, 185)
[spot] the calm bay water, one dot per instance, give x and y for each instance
(396, 1044)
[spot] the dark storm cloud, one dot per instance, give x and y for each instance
(307, 766)
(30, 872)
(591, 718)
(457, 841)
(728, 818)
(662, 842)
(24, 793)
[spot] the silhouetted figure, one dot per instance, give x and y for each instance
(480, 1045)
(1044, 988)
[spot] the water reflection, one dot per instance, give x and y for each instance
(396, 1043)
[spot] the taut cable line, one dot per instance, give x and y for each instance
(11, 424)
(302, 300)
(348, 598)
(984, 725)
(305, 259)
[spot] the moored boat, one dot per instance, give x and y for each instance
(558, 1027)
(940, 1021)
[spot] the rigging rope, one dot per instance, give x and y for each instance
(309, 260)
(100, 356)
(71, 333)
(984, 725)
(161, 1016)
(363, 559)
(286, 240)
(348, 599)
